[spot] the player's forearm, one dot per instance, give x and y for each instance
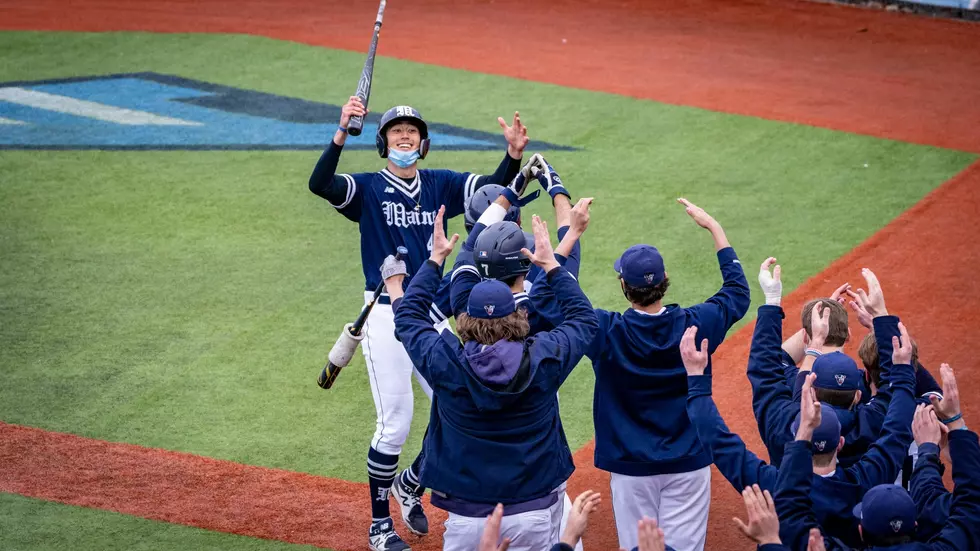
(506, 170)
(719, 237)
(566, 246)
(563, 210)
(324, 181)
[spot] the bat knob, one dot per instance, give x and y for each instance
(401, 252)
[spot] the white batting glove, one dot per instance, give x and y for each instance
(772, 287)
(392, 267)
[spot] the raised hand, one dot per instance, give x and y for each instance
(549, 179)
(353, 108)
(864, 317)
(763, 524)
(579, 216)
(698, 214)
(578, 518)
(819, 325)
(815, 541)
(839, 292)
(543, 255)
(873, 300)
(810, 413)
(902, 348)
(772, 287)
(516, 136)
(650, 536)
(441, 247)
(491, 532)
(926, 427)
(695, 361)
(949, 407)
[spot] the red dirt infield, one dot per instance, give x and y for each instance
(888, 75)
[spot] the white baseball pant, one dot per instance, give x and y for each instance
(530, 531)
(678, 502)
(390, 373)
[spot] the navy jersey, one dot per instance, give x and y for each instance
(392, 213)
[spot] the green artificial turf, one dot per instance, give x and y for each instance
(33, 525)
(187, 300)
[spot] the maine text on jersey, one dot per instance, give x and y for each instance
(396, 214)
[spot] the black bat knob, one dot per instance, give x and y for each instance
(401, 252)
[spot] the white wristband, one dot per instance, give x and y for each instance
(494, 213)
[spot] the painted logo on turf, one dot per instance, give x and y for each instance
(151, 111)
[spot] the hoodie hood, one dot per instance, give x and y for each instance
(498, 373)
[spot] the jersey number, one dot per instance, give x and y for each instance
(429, 244)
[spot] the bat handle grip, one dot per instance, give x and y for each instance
(355, 125)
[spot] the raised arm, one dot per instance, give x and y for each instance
(931, 497)
(883, 460)
(338, 190)
(738, 465)
(580, 322)
(793, 485)
(731, 302)
(412, 323)
(772, 397)
(542, 296)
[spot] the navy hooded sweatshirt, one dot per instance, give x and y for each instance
(641, 423)
(834, 496)
(495, 435)
(796, 507)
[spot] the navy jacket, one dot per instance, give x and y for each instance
(490, 440)
(776, 405)
(835, 496)
(641, 424)
(960, 532)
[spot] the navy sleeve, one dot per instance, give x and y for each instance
(574, 260)
(883, 460)
(412, 324)
(931, 497)
(462, 280)
(885, 327)
(442, 306)
(580, 325)
(926, 385)
(462, 185)
(794, 506)
(720, 312)
(772, 547)
(340, 190)
(962, 529)
(772, 398)
(738, 465)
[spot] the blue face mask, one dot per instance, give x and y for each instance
(403, 159)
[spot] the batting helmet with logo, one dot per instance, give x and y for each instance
(497, 251)
(401, 113)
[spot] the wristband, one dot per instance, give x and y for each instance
(511, 196)
(952, 419)
(813, 352)
(342, 129)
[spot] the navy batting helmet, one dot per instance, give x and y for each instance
(401, 113)
(497, 251)
(481, 200)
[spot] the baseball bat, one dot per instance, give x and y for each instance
(330, 371)
(364, 84)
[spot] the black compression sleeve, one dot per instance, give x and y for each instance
(324, 180)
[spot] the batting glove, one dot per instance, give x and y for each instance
(772, 288)
(519, 184)
(550, 181)
(392, 267)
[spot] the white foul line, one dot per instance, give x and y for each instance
(89, 109)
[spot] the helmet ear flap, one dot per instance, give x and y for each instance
(424, 148)
(382, 143)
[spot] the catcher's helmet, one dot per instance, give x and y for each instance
(481, 200)
(497, 251)
(401, 113)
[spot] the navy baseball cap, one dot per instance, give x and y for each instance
(886, 511)
(490, 299)
(641, 266)
(827, 435)
(837, 371)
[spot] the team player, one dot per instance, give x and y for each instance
(495, 435)
(397, 207)
(643, 435)
(836, 489)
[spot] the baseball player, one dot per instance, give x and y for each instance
(886, 513)
(643, 435)
(495, 435)
(837, 489)
(397, 207)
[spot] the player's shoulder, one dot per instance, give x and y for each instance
(443, 175)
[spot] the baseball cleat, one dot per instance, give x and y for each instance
(382, 537)
(411, 506)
